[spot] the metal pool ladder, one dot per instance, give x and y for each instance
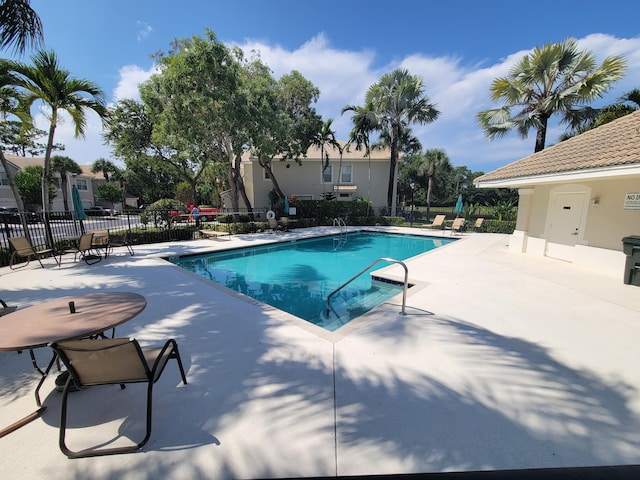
(340, 223)
(392, 260)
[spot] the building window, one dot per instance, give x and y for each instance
(345, 174)
(327, 174)
(58, 182)
(82, 184)
(4, 180)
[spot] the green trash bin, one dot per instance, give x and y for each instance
(631, 248)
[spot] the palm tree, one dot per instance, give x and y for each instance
(555, 78)
(364, 122)
(632, 96)
(106, 167)
(325, 137)
(64, 166)
(20, 26)
(433, 160)
(46, 82)
(397, 100)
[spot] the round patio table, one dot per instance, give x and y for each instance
(52, 321)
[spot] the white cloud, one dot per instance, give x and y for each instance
(131, 76)
(459, 91)
(144, 30)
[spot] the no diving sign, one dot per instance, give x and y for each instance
(632, 201)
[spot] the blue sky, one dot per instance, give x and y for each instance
(458, 47)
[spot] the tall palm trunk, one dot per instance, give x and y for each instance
(391, 201)
(541, 133)
(46, 175)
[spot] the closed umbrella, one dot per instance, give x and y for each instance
(459, 205)
(78, 209)
(286, 206)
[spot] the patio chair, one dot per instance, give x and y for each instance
(22, 248)
(111, 361)
(456, 226)
(477, 227)
(4, 309)
(100, 241)
(126, 242)
(438, 222)
(85, 245)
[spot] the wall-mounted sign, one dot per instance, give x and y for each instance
(632, 201)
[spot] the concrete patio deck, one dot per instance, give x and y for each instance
(502, 361)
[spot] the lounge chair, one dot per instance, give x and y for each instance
(100, 241)
(85, 245)
(213, 234)
(438, 222)
(477, 227)
(111, 361)
(126, 242)
(6, 308)
(456, 226)
(22, 248)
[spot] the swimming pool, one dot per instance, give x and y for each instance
(297, 276)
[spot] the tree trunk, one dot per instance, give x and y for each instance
(16, 195)
(392, 169)
(65, 190)
(274, 182)
(429, 190)
(239, 182)
(541, 134)
(46, 173)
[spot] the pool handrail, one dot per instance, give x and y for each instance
(383, 259)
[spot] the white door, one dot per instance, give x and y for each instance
(566, 216)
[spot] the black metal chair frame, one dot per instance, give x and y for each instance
(152, 375)
(26, 253)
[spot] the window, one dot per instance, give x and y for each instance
(58, 182)
(345, 174)
(81, 184)
(4, 180)
(327, 174)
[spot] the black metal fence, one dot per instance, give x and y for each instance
(65, 230)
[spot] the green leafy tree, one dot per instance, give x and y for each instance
(29, 183)
(288, 124)
(398, 100)
(20, 26)
(46, 82)
(111, 193)
(554, 79)
(193, 104)
(65, 166)
(184, 193)
(129, 132)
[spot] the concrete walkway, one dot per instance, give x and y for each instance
(502, 361)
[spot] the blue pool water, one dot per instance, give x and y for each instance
(298, 276)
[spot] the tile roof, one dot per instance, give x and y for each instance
(22, 162)
(314, 153)
(614, 144)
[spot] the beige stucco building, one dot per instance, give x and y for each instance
(87, 183)
(356, 176)
(579, 198)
